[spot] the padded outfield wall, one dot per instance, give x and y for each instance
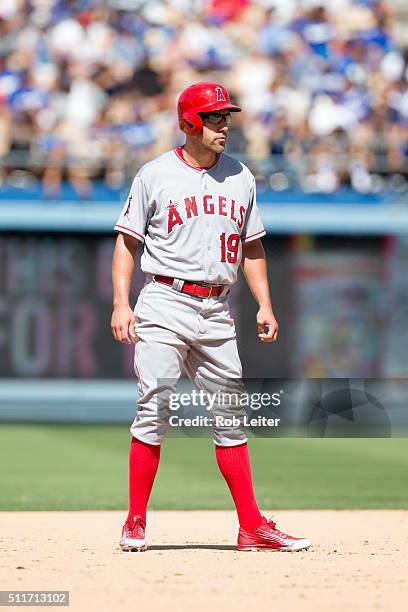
(339, 290)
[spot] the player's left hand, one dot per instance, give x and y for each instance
(267, 325)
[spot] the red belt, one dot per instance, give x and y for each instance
(202, 291)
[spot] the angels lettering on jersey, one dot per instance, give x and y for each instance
(192, 206)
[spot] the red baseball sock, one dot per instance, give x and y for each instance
(234, 465)
(143, 463)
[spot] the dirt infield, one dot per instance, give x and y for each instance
(358, 561)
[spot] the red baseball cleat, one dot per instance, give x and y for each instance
(133, 535)
(267, 537)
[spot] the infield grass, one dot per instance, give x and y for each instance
(84, 467)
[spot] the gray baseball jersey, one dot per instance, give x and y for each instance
(192, 220)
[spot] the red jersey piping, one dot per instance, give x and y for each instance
(179, 152)
(253, 235)
(130, 230)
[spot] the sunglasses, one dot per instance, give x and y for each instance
(216, 118)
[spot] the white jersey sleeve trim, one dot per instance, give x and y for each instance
(254, 236)
(127, 230)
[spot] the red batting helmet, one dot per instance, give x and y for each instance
(201, 98)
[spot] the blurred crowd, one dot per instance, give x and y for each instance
(88, 88)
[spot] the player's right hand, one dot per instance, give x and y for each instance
(123, 324)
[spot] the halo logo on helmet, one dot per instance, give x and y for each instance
(220, 95)
(202, 98)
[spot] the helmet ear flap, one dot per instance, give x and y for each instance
(191, 124)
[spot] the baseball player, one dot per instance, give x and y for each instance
(193, 211)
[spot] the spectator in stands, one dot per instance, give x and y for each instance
(88, 88)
